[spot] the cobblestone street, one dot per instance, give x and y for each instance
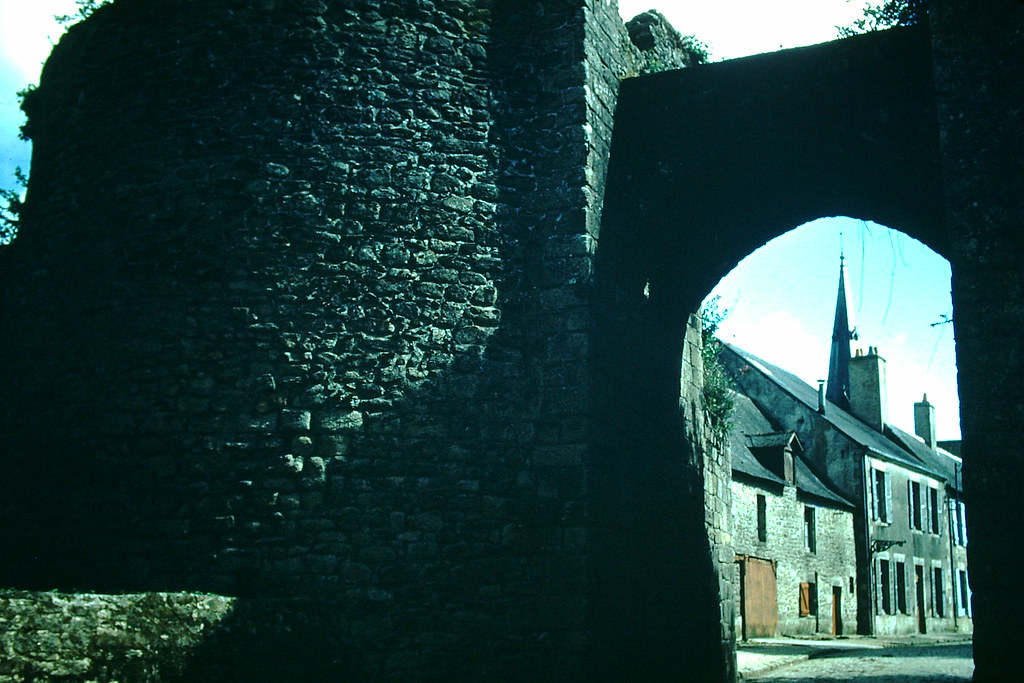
(923, 663)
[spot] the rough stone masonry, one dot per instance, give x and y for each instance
(300, 310)
(323, 305)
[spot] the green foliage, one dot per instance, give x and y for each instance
(85, 8)
(698, 50)
(718, 400)
(887, 15)
(10, 208)
(24, 94)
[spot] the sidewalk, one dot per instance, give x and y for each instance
(762, 654)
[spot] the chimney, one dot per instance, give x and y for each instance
(868, 396)
(924, 421)
(821, 396)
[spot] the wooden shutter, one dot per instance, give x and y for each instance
(871, 493)
(805, 599)
(878, 586)
(887, 481)
(910, 503)
(926, 505)
(963, 520)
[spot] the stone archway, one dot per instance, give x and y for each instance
(572, 533)
(912, 128)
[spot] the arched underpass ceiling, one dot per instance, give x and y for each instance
(709, 163)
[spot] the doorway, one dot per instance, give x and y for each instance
(837, 611)
(922, 626)
(759, 606)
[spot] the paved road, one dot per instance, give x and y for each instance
(923, 664)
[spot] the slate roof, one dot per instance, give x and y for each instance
(895, 449)
(940, 461)
(809, 483)
(747, 419)
(769, 440)
(751, 429)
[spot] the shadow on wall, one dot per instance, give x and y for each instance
(660, 588)
(167, 428)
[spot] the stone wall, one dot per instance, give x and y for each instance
(303, 305)
(833, 564)
(79, 637)
(979, 97)
(333, 299)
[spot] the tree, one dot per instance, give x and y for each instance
(85, 8)
(889, 14)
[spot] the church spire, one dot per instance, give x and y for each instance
(838, 388)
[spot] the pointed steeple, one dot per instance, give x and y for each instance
(838, 388)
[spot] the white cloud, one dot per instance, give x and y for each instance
(780, 338)
(734, 28)
(28, 31)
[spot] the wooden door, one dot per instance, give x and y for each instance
(837, 611)
(759, 603)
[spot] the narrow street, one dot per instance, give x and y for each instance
(861, 661)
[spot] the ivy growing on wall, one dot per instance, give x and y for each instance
(717, 396)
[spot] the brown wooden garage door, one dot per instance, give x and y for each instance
(758, 598)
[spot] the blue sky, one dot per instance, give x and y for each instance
(27, 33)
(782, 297)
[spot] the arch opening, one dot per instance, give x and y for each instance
(707, 165)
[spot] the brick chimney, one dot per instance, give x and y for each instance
(868, 396)
(924, 421)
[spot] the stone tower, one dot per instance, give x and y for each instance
(299, 311)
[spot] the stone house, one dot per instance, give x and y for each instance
(792, 533)
(910, 520)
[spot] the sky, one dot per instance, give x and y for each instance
(897, 287)
(27, 34)
(781, 299)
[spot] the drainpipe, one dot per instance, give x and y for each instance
(950, 502)
(952, 558)
(817, 598)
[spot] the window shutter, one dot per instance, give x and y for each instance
(910, 503)
(963, 522)
(878, 586)
(887, 481)
(926, 510)
(872, 494)
(954, 521)
(805, 599)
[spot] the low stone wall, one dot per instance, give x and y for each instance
(92, 637)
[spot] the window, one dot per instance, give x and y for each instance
(933, 510)
(963, 607)
(762, 519)
(958, 521)
(901, 587)
(914, 504)
(808, 599)
(882, 490)
(884, 586)
(939, 595)
(810, 539)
